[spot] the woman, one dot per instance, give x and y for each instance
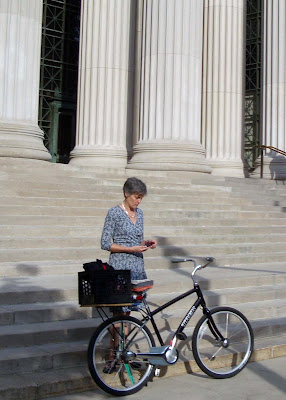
(122, 235)
(123, 231)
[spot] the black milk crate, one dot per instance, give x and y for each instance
(98, 288)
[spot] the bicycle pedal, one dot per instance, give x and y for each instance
(181, 336)
(157, 372)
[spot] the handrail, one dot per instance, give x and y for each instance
(263, 147)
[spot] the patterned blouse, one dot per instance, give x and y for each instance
(119, 229)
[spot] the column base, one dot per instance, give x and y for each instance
(169, 156)
(274, 167)
(97, 156)
(22, 141)
(228, 168)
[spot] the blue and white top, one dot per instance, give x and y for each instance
(119, 229)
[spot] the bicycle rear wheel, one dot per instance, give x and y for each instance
(110, 366)
(223, 359)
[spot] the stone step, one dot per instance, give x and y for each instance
(62, 355)
(102, 192)
(9, 171)
(25, 313)
(230, 297)
(158, 258)
(257, 313)
(33, 295)
(42, 281)
(266, 304)
(205, 212)
(42, 326)
(149, 222)
(254, 272)
(27, 167)
(39, 268)
(38, 189)
(20, 242)
(99, 199)
(160, 195)
(116, 193)
(42, 384)
(42, 357)
(215, 250)
(217, 238)
(98, 183)
(153, 183)
(68, 331)
(158, 230)
(12, 204)
(55, 382)
(85, 252)
(13, 336)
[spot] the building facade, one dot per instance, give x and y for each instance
(161, 84)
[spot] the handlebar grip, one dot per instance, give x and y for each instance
(178, 260)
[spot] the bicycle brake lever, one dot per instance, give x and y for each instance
(209, 259)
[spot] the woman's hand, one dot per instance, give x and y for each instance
(151, 244)
(138, 249)
(144, 246)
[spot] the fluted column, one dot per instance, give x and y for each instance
(170, 100)
(274, 89)
(20, 49)
(223, 94)
(106, 73)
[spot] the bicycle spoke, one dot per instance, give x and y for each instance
(235, 350)
(214, 355)
(226, 329)
(121, 378)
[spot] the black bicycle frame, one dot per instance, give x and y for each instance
(199, 302)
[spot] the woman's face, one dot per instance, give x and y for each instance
(133, 200)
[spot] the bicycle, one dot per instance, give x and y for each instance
(122, 355)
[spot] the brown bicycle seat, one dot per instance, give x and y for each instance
(141, 285)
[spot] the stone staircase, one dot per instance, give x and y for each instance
(51, 218)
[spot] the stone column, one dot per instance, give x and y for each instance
(170, 100)
(223, 92)
(106, 73)
(20, 49)
(274, 89)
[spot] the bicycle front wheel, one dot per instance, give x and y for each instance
(109, 360)
(223, 358)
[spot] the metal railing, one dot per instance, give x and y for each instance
(264, 147)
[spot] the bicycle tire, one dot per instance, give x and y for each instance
(117, 333)
(215, 358)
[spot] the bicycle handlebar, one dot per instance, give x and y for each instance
(196, 266)
(194, 260)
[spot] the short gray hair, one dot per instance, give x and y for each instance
(134, 185)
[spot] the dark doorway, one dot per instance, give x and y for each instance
(59, 76)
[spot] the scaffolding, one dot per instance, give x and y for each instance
(59, 76)
(253, 81)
